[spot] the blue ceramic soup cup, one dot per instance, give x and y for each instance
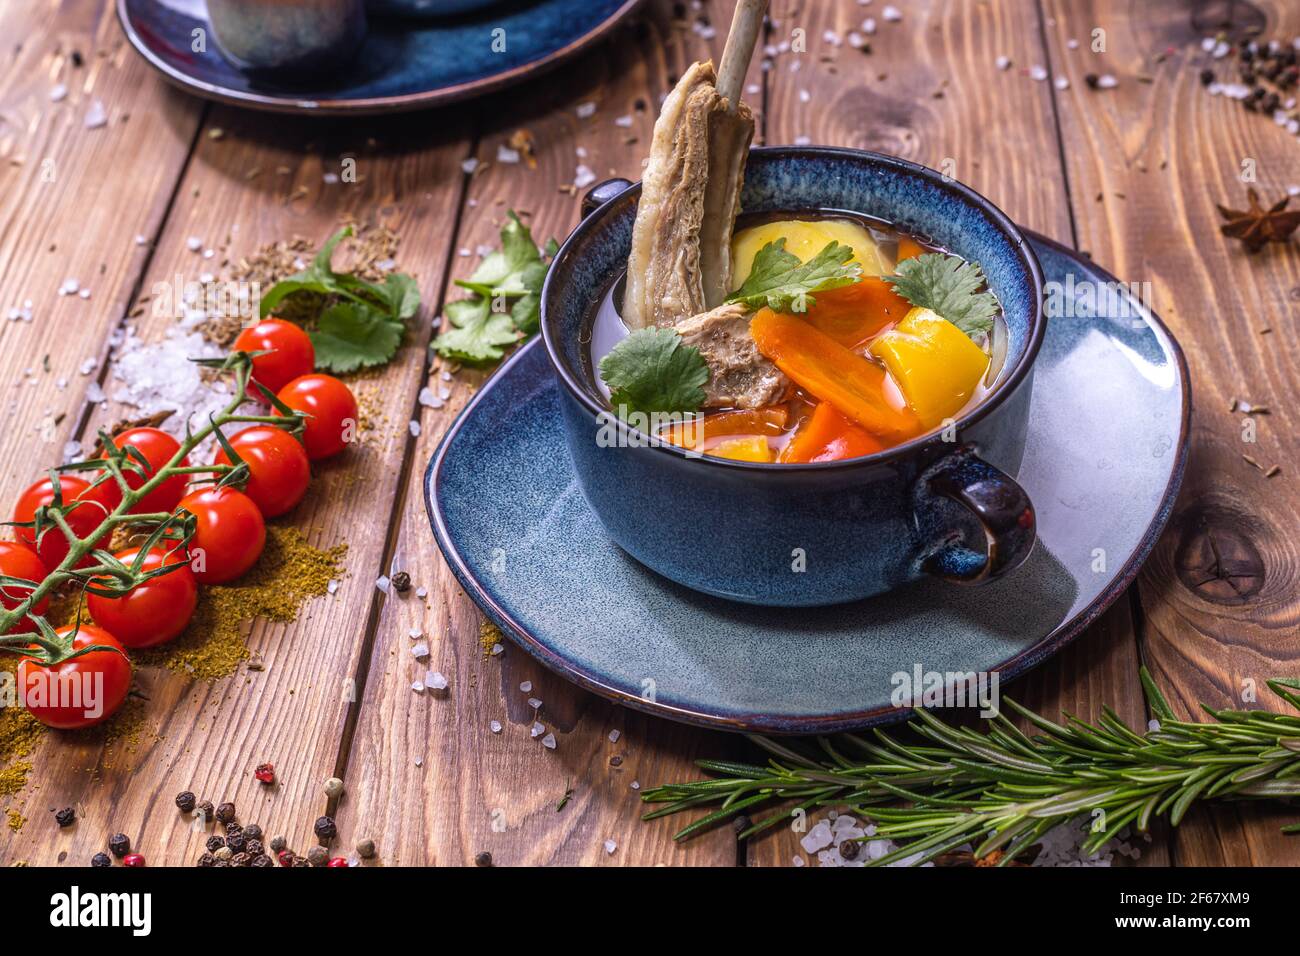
(944, 505)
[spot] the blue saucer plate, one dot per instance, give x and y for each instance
(404, 64)
(1105, 453)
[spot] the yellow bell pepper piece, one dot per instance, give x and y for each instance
(805, 239)
(743, 449)
(933, 362)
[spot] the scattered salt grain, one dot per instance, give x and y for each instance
(1061, 83)
(537, 729)
(1072, 44)
(614, 735)
(469, 165)
(94, 394)
(623, 122)
(414, 426)
(495, 726)
(891, 14)
(1037, 72)
(803, 140)
(1153, 725)
(96, 116)
(526, 686)
(636, 784)
(422, 593)
(497, 650)
(534, 703)
(610, 847)
(435, 680)
(420, 650)
(58, 93)
(332, 587)
(549, 741)
(382, 583)
(869, 26)
(583, 176)
(194, 243)
(507, 155)
(1107, 81)
(330, 178)
(585, 110)
(415, 633)
(417, 687)
(1003, 63)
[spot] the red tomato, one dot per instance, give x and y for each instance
(153, 612)
(277, 464)
(83, 519)
(291, 354)
(20, 561)
(332, 409)
(157, 447)
(229, 536)
(81, 692)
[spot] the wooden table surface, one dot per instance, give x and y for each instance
(1130, 175)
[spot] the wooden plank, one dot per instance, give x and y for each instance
(72, 201)
(427, 779)
(929, 90)
(208, 737)
(1147, 162)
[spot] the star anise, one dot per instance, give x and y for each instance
(1257, 226)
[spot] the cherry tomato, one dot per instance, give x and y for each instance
(291, 354)
(81, 692)
(153, 612)
(83, 519)
(157, 447)
(332, 409)
(20, 561)
(229, 536)
(277, 464)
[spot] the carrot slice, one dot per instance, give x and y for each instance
(909, 248)
(854, 313)
(826, 435)
(757, 421)
(830, 372)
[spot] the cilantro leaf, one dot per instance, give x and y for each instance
(476, 333)
(781, 282)
(653, 370)
(349, 336)
(948, 286)
(511, 278)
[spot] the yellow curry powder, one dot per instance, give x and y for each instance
(288, 573)
(489, 635)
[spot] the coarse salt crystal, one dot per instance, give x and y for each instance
(415, 633)
(507, 155)
(332, 587)
(891, 14)
(469, 165)
(422, 593)
(414, 426)
(549, 741)
(583, 176)
(614, 735)
(585, 110)
(495, 726)
(382, 583)
(417, 687)
(497, 649)
(1037, 72)
(1061, 83)
(96, 116)
(420, 650)
(869, 26)
(526, 686)
(330, 178)
(1003, 63)
(534, 703)
(636, 784)
(623, 122)
(58, 92)
(1107, 81)
(435, 680)
(537, 729)
(610, 847)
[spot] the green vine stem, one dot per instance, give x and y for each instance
(176, 529)
(1000, 790)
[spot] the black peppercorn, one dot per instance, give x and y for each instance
(317, 856)
(205, 808)
(278, 843)
(254, 847)
(214, 844)
(185, 801)
(302, 861)
(1091, 79)
(241, 859)
(325, 829)
(483, 859)
(262, 859)
(233, 828)
(66, 817)
(226, 812)
(235, 841)
(119, 844)
(101, 859)
(850, 849)
(207, 859)
(402, 582)
(252, 832)
(1207, 77)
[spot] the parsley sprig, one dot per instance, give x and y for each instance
(950, 287)
(781, 282)
(654, 370)
(504, 306)
(362, 323)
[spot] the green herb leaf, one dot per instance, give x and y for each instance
(653, 370)
(781, 282)
(515, 272)
(476, 334)
(349, 336)
(948, 286)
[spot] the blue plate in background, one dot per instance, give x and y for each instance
(404, 64)
(1104, 457)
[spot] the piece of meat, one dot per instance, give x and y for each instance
(739, 375)
(680, 263)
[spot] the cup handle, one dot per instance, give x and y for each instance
(998, 503)
(602, 193)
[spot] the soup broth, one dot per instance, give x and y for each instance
(864, 370)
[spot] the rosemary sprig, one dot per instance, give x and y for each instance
(1000, 790)
(108, 575)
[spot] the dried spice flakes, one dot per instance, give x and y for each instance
(290, 572)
